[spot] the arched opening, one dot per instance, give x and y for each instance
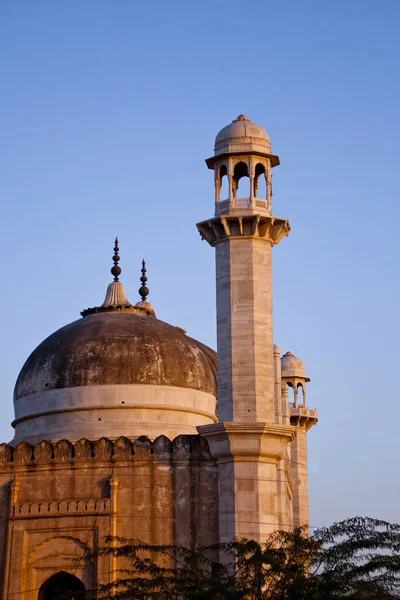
(223, 183)
(291, 394)
(241, 189)
(301, 399)
(260, 182)
(62, 586)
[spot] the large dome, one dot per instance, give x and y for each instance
(118, 371)
(116, 348)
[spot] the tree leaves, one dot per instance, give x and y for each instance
(356, 559)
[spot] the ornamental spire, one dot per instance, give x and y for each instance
(116, 269)
(143, 290)
(116, 299)
(241, 118)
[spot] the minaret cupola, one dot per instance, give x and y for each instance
(293, 374)
(242, 155)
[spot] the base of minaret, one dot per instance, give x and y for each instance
(255, 488)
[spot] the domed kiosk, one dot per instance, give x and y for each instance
(117, 371)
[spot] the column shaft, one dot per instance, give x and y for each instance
(245, 330)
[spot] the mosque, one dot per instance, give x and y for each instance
(126, 426)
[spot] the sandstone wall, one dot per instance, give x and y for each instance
(59, 501)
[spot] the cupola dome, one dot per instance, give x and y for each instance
(242, 135)
(292, 367)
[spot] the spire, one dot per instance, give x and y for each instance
(116, 299)
(116, 295)
(116, 269)
(143, 290)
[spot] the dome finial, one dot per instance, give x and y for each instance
(116, 269)
(143, 290)
(241, 118)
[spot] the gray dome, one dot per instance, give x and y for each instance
(118, 348)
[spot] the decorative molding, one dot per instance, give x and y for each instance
(243, 226)
(62, 508)
(303, 418)
(182, 448)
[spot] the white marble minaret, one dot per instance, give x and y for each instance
(251, 439)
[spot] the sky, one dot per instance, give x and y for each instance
(107, 112)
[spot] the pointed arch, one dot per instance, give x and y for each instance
(223, 183)
(62, 586)
(241, 170)
(260, 181)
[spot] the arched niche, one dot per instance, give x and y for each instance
(62, 586)
(57, 555)
(260, 182)
(301, 399)
(223, 183)
(241, 187)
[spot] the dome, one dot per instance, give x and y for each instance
(119, 371)
(117, 348)
(115, 373)
(242, 135)
(291, 366)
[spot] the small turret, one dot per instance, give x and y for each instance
(293, 374)
(242, 152)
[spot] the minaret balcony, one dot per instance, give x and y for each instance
(238, 205)
(249, 224)
(303, 417)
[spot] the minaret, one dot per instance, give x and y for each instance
(250, 441)
(302, 418)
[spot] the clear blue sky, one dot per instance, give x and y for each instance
(108, 110)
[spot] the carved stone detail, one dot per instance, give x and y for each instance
(103, 449)
(23, 454)
(84, 450)
(63, 451)
(162, 448)
(268, 229)
(142, 448)
(123, 449)
(6, 454)
(43, 452)
(51, 508)
(182, 448)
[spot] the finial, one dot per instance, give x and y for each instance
(143, 290)
(241, 118)
(116, 269)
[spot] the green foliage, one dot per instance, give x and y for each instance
(356, 559)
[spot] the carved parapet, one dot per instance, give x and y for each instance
(302, 417)
(64, 508)
(184, 447)
(6, 454)
(266, 228)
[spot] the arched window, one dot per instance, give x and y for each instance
(62, 586)
(223, 182)
(292, 394)
(240, 189)
(302, 398)
(260, 182)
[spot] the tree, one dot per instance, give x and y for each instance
(356, 559)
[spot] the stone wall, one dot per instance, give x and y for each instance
(59, 501)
